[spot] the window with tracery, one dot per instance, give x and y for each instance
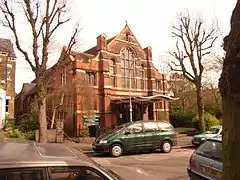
(112, 72)
(128, 68)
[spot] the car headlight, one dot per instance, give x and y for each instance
(103, 142)
(203, 139)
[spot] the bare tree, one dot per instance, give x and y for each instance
(63, 98)
(229, 84)
(44, 19)
(181, 88)
(195, 42)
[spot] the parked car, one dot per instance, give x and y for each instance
(206, 161)
(137, 136)
(48, 162)
(213, 131)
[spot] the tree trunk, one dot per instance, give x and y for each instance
(231, 139)
(229, 85)
(200, 107)
(42, 117)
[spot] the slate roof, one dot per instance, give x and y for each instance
(94, 51)
(7, 46)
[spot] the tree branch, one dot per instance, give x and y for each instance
(10, 18)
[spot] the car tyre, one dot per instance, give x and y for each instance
(116, 150)
(166, 146)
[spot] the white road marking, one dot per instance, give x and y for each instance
(102, 161)
(142, 172)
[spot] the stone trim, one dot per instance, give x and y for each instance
(127, 42)
(81, 70)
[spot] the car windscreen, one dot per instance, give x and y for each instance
(118, 128)
(211, 149)
(212, 130)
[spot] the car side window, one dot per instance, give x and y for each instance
(150, 127)
(165, 127)
(22, 174)
(135, 128)
(76, 173)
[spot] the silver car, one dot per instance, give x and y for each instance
(33, 161)
(206, 161)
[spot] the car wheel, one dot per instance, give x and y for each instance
(116, 150)
(166, 146)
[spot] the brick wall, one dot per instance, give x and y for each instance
(7, 79)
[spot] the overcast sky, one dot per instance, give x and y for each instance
(149, 20)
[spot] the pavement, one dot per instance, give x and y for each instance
(154, 166)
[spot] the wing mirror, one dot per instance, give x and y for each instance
(127, 132)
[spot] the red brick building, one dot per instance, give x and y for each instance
(7, 77)
(111, 67)
(114, 69)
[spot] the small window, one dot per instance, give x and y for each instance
(135, 128)
(90, 79)
(7, 105)
(127, 38)
(74, 173)
(64, 76)
(150, 127)
(158, 85)
(142, 75)
(112, 72)
(9, 72)
(22, 174)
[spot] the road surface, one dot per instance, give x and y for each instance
(150, 166)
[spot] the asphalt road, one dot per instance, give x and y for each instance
(149, 166)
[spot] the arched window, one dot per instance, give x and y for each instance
(142, 76)
(90, 79)
(112, 72)
(128, 68)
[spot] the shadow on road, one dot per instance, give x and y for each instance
(94, 154)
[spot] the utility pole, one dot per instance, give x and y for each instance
(130, 91)
(130, 98)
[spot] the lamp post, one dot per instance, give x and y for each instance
(130, 93)
(130, 98)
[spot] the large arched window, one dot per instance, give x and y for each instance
(128, 68)
(112, 72)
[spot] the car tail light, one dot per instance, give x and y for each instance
(175, 135)
(192, 162)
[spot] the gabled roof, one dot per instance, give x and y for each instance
(27, 88)
(127, 30)
(84, 56)
(7, 46)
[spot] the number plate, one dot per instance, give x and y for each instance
(211, 172)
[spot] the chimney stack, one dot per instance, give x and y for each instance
(148, 51)
(102, 42)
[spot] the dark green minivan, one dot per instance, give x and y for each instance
(137, 136)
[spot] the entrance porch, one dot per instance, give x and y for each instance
(142, 107)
